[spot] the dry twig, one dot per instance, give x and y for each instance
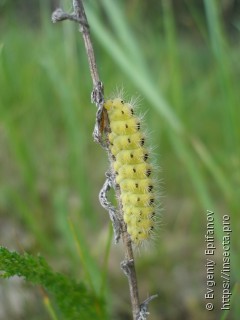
(139, 311)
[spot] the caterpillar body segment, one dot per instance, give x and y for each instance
(134, 156)
(135, 212)
(118, 142)
(126, 127)
(137, 171)
(137, 200)
(136, 185)
(132, 169)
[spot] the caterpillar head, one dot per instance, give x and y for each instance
(113, 103)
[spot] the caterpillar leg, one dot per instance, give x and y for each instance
(109, 207)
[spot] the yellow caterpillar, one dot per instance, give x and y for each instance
(132, 170)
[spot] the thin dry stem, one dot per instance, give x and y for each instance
(97, 97)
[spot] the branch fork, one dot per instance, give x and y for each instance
(60, 15)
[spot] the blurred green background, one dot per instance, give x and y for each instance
(182, 59)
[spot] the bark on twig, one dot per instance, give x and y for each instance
(79, 16)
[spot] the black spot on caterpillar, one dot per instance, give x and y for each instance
(151, 201)
(150, 188)
(148, 172)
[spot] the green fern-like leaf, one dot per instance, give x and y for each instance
(73, 299)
